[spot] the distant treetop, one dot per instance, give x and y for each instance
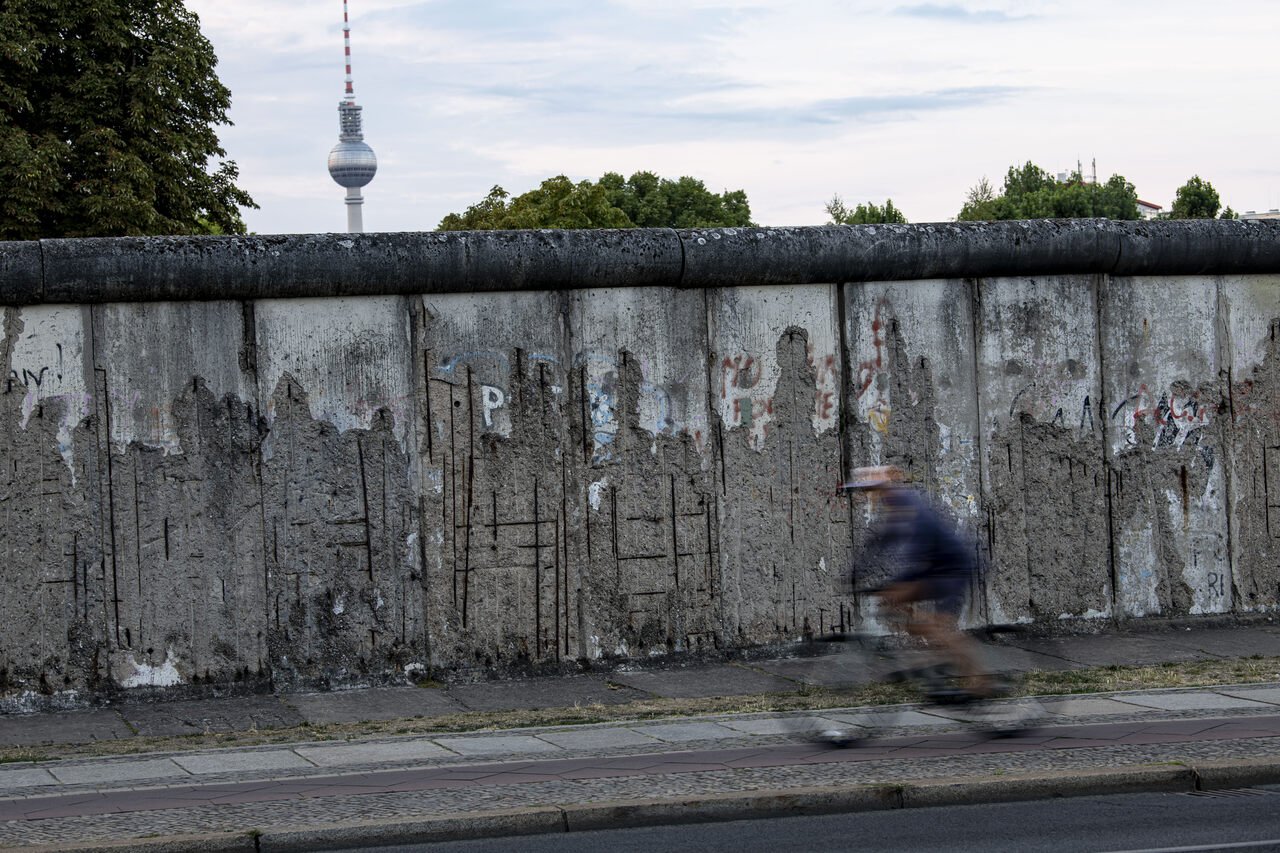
(642, 201)
(1030, 192)
(864, 214)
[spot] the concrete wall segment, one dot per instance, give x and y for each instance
(913, 401)
(1249, 323)
(641, 365)
(503, 490)
(1044, 482)
(784, 524)
(1164, 386)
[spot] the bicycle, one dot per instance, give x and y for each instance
(996, 714)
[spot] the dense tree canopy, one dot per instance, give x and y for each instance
(108, 111)
(642, 201)
(1197, 199)
(1032, 193)
(864, 214)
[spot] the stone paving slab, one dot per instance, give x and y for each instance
(497, 745)
(1116, 649)
(835, 670)
(529, 693)
(210, 716)
(685, 732)
(1194, 701)
(1230, 642)
(372, 753)
(704, 682)
(1085, 706)
(898, 717)
(1270, 695)
(25, 777)
(117, 771)
(376, 703)
(781, 725)
(602, 738)
(1012, 658)
(62, 727)
(239, 762)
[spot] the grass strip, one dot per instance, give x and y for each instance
(1106, 679)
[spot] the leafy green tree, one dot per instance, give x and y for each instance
(864, 214)
(1029, 192)
(642, 201)
(108, 111)
(1196, 199)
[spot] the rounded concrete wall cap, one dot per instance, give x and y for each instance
(132, 269)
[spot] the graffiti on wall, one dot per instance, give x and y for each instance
(1172, 417)
(871, 376)
(748, 385)
(663, 409)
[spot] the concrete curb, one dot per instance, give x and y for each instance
(714, 808)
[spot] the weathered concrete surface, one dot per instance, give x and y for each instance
(502, 568)
(339, 490)
(1165, 441)
(1249, 321)
(340, 516)
(776, 376)
(135, 269)
(1043, 478)
(912, 397)
(651, 581)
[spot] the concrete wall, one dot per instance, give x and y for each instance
(346, 460)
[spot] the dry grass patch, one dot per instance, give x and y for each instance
(1095, 680)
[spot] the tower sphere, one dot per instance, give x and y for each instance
(352, 164)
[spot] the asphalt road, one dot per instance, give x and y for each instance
(1247, 820)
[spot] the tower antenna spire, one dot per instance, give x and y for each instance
(351, 162)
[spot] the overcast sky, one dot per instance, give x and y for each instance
(790, 101)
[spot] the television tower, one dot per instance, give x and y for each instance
(351, 162)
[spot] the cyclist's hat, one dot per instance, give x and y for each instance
(873, 477)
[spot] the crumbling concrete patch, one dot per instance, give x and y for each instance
(784, 524)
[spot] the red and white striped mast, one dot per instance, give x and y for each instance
(351, 162)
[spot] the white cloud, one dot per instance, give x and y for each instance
(791, 101)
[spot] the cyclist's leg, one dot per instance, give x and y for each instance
(941, 628)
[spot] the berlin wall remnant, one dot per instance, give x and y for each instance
(532, 449)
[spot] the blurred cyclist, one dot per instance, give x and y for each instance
(938, 567)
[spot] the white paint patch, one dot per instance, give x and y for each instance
(339, 606)
(1135, 561)
(352, 358)
(151, 355)
(48, 362)
(595, 491)
(492, 399)
(822, 565)
(146, 675)
(748, 323)
(649, 325)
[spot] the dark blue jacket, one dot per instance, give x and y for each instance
(930, 545)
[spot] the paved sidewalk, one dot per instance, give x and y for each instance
(306, 795)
